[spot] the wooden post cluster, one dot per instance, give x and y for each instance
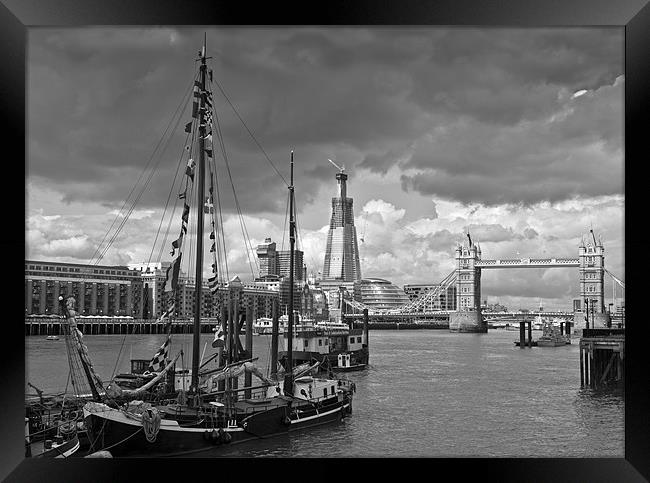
(602, 358)
(249, 350)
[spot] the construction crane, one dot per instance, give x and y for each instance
(337, 166)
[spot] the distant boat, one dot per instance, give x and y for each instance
(344, 364)
(52, 337)
(327, 341)
(552, 337)
(264, 325)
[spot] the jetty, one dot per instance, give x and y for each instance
(114, 325)
(602, 356)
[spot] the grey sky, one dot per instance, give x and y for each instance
(438, 128)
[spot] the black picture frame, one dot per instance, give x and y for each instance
(16, 16)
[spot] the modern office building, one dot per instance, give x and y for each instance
(98, 289)
(446, 300)
(342, 251)
(379, 294)
(267, 256)
(274, 262)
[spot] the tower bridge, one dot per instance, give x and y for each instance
(466, 279)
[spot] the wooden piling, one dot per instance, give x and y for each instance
(592, 379)
(522, 334)
(274, 338)
(221, 385)
(365, 333)
(582, 368)
(249, 350)
(530, 333)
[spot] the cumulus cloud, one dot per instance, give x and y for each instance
(514, 135)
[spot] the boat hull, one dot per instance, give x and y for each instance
(551, 343)
(63, 450)
(112, 430)
(355, 367)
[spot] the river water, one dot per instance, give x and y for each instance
(426, 393)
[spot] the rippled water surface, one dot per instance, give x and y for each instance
(427, 393)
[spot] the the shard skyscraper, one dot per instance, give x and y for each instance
(342, 251)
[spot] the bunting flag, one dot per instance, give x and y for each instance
(158, 361)
(219, 338)
(195, 109)
(214, 285)
(213, 248)
(171, 280)
(208, 152)
(184, 218)
(166, 314)
(211, 235)
(186, 213)
(206, 99)
(176, 244)
(188, 127)
(208, 207)
(181, 196)
(189, 170)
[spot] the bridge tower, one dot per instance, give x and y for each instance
(592, 283)
(467, 317)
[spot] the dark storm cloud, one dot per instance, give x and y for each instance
(464, 107)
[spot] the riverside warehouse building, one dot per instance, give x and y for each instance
(132, 291)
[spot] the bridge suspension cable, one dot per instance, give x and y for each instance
(616, 279)
(419, 304)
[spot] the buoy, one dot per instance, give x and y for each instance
(286, 420)
(206, 435)
(214, 436)
(226, 437)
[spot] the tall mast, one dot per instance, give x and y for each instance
(199, 228)
(288, 378)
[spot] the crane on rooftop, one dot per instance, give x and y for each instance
(337, 166)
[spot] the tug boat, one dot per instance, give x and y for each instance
(551, 336)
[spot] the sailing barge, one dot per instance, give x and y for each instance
(214, 411)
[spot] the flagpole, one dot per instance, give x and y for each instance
(288, 378)
(198, 289)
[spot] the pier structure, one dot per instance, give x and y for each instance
(466, 279)
(602, 357)
(114, 325)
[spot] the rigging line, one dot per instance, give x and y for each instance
(118, 357)
(178, 168)
(135, 202)
(234, 191)
(215, 254)
(284, 227)
(215, 227)
(132, 208)
(223, 239)
(251, 134)
(191, 228)
(183, 100)
(171, 217)
(238, 208)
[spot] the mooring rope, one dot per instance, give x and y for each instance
(151, 424)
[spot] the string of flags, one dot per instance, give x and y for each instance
(159, 359)
(212, 282)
